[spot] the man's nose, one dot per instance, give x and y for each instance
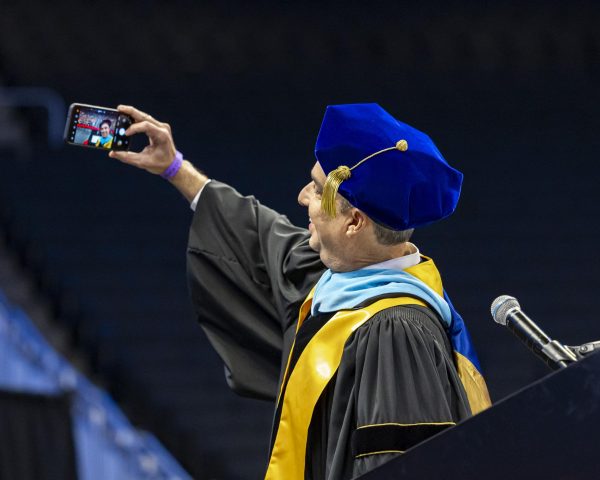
(303, 196)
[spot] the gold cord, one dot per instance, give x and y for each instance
(341, 173)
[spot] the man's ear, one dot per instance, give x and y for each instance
(357, 222)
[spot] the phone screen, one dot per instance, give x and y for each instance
(97, 127)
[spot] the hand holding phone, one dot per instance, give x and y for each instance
(92, 126)
(159, 153)
(97, 127)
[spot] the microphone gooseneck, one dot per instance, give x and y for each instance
(507, 311)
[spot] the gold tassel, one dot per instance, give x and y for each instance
(333, 182)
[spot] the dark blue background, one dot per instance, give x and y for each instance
(507, 90)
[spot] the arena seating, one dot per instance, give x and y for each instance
(54, 412)
(128, 277)
(515, 110)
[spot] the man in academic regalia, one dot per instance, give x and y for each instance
(345, 326)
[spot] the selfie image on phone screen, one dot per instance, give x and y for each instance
(97, 127)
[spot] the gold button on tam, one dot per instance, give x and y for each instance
(402, 145)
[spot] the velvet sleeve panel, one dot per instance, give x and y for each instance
(249, 269)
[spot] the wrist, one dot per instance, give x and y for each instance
(188, 180)
(173, 167)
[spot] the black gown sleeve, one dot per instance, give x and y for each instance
(396, 386)
(249, 269)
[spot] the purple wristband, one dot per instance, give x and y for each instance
(172, 169)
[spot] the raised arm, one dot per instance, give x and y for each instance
(249, 268)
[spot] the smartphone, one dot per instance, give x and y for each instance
(97, 127)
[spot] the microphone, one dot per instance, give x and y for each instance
(507, 311)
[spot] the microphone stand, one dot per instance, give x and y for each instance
(585, 349)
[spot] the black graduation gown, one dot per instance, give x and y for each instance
(249, 270)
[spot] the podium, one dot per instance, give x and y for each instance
(548, 430)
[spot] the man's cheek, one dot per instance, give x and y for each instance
(314, 242)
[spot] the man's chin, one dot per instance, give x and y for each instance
(314, 244)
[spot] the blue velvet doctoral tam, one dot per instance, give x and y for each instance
(407, 186)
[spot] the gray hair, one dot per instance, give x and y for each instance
(384, 235)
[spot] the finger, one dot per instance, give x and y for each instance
(138, 115)
(131, 158)
(155, 133)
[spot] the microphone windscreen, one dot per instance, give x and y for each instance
(501, 306)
